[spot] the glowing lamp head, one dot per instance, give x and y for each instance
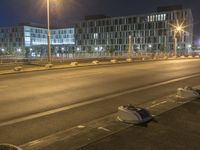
(179, 28)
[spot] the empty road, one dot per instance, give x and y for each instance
(92, 92)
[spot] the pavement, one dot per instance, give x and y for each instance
(176, 129)
(36, 105)
(90, 133)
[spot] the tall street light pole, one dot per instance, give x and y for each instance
(49, 33)
(175, 44)
(129, 46)
(178, 29)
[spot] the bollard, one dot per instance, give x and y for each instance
(74, 63)
(165, 57)
(18, 68)
(95, 62)
(129, 60)
(114, 61)
(9, 147)
(49, 66)
(134, 115)
(188, 92)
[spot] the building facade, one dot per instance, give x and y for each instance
(34, 37)
(149, 32)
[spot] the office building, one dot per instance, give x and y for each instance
(150, 32)
(32, 36)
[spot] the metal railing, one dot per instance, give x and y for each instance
(87, 56)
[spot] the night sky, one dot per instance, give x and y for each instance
(67, 12)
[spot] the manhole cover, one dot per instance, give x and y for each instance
(9, 147)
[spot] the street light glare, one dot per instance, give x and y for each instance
(179, 28)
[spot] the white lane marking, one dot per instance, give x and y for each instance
(157, 104)
(34, 142)
(104, 129)
(18, 120)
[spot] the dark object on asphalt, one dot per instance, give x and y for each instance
(134, 115)
(9, 147)
(188, 92)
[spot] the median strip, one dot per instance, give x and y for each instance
(95, 130)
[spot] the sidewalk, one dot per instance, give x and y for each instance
(108, 133)
(177, 129)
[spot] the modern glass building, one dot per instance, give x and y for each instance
(33, 36)
(149, 32)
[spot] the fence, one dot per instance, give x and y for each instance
(81, 56)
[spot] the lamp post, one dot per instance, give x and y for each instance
(48, 33)
(177, 29)
(175, 44)
(129, 46)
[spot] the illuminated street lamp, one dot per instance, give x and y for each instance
(150, 46)
(48, 33)
(178, 28)
(19, 50)
(189, 46)
(96, 48)
(78, 49)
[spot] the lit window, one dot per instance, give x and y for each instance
(95, 35)
(159, 18)
(156, 18)
(151, 18)
(162, 17)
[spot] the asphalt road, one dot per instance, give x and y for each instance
(177, 129)
(30, 93)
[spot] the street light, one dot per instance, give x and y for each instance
(19, 50)
(150, 46)
(178, 28)
(48, 33)
(130, 46)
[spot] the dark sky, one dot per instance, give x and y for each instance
(69, 11)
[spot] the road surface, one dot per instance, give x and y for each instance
(56, 95)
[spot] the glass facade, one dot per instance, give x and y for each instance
(151, 29)
(29, 36)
